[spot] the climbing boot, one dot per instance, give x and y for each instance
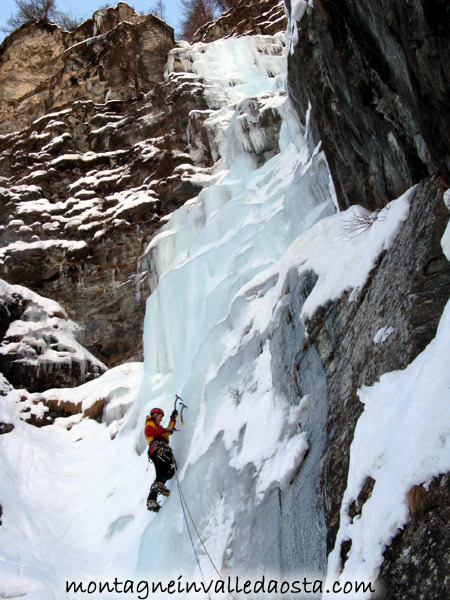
(153, 505)
(162, 489)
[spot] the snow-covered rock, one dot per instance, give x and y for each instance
(38, 345)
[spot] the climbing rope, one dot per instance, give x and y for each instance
(187, 527)
(185, 508)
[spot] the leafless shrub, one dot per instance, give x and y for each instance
(358, 220)
(236, 395)
(32, 11)
(67, 20)
(198, 12)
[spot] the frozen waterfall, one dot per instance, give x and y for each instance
(222, 265)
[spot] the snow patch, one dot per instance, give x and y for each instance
(445, 241)
(383, 334)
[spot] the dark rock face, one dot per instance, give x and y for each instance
(416, 564)
(375, 76)
(407, 290)
(410, 300)
(375, 73)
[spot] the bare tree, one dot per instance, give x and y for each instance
(32, 11)
(158, 9)
(123, 64)
(198, 12)
(68, 21)
(195, 14)
(227, 4)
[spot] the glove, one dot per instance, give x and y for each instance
(170, 429)
(174, 414)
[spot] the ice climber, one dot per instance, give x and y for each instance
(160, 453)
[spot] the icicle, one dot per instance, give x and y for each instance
(83, 365)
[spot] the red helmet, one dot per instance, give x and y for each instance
(156, 411)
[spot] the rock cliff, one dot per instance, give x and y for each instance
(374, 76)
(117, 54)
(62, 96)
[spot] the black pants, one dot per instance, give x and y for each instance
(164, 461)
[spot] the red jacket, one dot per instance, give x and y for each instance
(153, 431)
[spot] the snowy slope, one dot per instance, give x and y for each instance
(73, 494)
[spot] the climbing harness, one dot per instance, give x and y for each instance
(161, 449)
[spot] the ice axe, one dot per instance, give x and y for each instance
(183, 406)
